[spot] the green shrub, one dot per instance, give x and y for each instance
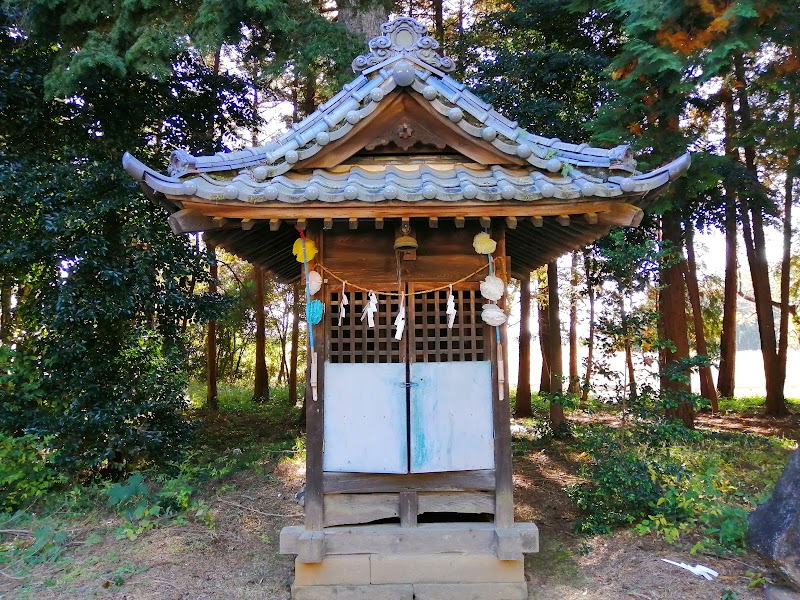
(619, 491)
(26, 470)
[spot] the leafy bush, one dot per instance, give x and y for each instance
(670, 481)
(143, 509)
(26, 470)
(619, 489)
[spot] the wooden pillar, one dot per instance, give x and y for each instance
(314, 509)
(504, 483)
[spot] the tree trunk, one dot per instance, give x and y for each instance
(523, 406)
(672, 304)
(788, 198)
(438, 21)
(6, 317)
(192, 283)
(544, 334)
(727, 342)
(590, 291)
(783, 343)
(633, 392)
(261, 383)
(363, 18)
(557, 418)
(574, 378)
(707, 389)
(295, 344)
(726, 378)
(212, 401)
(755, 247)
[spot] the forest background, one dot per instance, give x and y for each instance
(105, 315)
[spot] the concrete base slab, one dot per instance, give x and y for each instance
(470, 591)
(353, 592)
(444, 568)
(417, 591)
(334, 570)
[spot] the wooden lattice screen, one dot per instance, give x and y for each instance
(354, 341)
(426, 328)
(432, 341)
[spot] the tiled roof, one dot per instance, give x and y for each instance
(449, 182)
(404, 57)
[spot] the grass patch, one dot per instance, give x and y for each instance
(689, 487)
(752, 404)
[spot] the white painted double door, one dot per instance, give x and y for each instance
(378, 419)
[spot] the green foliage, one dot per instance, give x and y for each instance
(541, 64)
(101, 283)
(26, 470)
(529, 434)
(666, 480)
(46, 543)
(143, 509)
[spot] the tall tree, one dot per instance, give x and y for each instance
(212, 398)
(557, 418)
(707, 388)
(261, 380)
(574, 378)
(523, 408)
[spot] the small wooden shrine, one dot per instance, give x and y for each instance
(405, 203)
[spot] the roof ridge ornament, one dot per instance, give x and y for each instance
(403, 36)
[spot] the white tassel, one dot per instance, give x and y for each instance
(400, 320)
(343, 303)
(451, 309)
(370, 309)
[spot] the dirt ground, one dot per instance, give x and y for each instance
(238, 559)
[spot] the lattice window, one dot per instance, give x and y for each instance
(432, 341)
(426, 331)
(354, 341)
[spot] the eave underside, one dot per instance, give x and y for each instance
(530, 242)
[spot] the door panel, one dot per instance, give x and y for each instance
(451, 416)
(365, 421)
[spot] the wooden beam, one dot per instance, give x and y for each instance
(433, 538)
(236, 209)
(591, 218)
(353, 223)
(563, 220)
(301, 224)
(327, 224)
(537, 221)
(511, 222)
(433, 222)
(379, 223)
(460, 221)
(365, 483)
(247, 224)
(274, 224)
(621, 215)
(189, 221)
(486, 222)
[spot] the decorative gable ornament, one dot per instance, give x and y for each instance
(403, 38)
